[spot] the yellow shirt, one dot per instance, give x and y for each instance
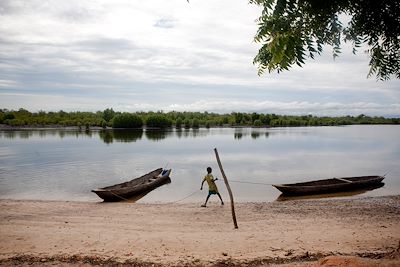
(210, 181)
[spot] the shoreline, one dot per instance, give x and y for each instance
(139, 234)
(5, 127)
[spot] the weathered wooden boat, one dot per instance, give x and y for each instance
(134, 187)
(329, 185)
(285, 197)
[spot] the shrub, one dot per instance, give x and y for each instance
(103, 124)
(159, 121)
(187, 123)
(15, 122)
(127, 120)
(108, 114)
(8, 116)
(257, 123)
(179, 123)
(195, 123)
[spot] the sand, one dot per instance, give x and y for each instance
(364, 231)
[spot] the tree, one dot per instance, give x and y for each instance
(238, 117)
(158, 121)
(187, 123)
(108, 114)
(195, 123)
(178, 123)
(291, 30)
(127, 120)
(257, 123)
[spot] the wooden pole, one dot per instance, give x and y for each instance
(229, 189)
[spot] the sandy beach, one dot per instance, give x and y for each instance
(363, 231)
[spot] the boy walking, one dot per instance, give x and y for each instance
(212, 187)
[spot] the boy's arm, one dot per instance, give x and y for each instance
(201, 188)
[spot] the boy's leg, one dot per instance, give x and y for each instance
(222, 202)
(205, 203)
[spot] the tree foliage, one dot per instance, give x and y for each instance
(158, 121)
(127, 120)
(108, 114)
(292, 30)
(24, 118)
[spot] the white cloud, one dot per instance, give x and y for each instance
(290, 108)
(197, 55)
(7, 83)
(165, 23)
(130, 103)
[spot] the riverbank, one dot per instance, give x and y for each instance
(75, 233)
(5, 127)
(109, 117)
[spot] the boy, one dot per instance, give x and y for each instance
(212, 187)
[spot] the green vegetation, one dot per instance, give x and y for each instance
(178, 123)
(127, 120)
(195, 123)
(23, 117)
(109, 118)
(108, 114)
(158, 121)
(291, 30)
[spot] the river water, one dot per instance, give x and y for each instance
(67, 164)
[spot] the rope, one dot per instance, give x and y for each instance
(183, 198)
(191, 194)
(128, 200)
(242, 182)
(119, 196)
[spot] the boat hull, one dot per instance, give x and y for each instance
(135, 187)
(330, 185)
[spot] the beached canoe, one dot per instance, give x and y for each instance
(330, 185)
(134, 187)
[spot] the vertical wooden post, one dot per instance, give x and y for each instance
(227, 187)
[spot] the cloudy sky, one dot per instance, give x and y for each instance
(167, 55)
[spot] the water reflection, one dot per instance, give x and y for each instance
(238, 135)
(108, 136)
(124, 136)
(283, 197)
(53, 162)
(27, 134)
(253, 133)
(189, 133)
(9, 134)
(158, 135)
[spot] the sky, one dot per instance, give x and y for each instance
(168, 55)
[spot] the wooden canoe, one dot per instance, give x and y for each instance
(134, 187)
(329, 185)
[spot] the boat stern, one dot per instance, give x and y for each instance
(166, 173)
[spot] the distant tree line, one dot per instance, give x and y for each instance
(111, 118)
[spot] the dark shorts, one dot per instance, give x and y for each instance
(212, 192)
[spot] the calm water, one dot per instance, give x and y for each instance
(66, 165)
